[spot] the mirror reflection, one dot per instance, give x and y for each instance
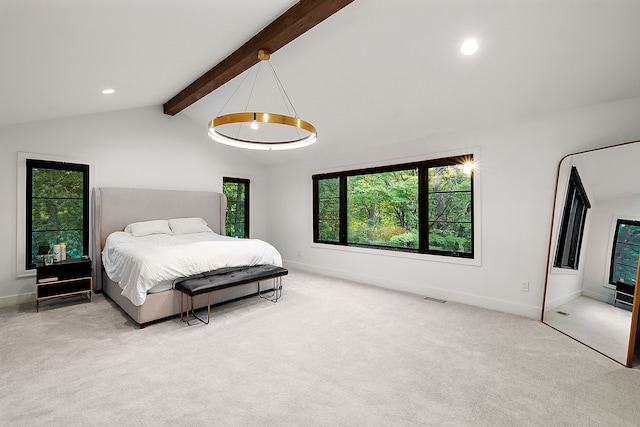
(594, 248)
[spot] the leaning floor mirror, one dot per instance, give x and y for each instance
(592, 264)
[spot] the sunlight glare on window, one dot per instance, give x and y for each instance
(467, 167)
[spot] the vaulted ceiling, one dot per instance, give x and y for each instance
(376, 72)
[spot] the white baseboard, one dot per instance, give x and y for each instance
(553, 304)
(14, 300)
(598, 296)
(530, 311)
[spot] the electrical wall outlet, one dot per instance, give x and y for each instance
(524, 286)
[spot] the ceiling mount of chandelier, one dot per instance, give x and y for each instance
(260, 130)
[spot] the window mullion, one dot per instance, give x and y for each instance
(343, 210)
(423, 209)
(29, 217)
(316, 210)
(85, 211)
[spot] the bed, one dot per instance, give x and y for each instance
(116, 208)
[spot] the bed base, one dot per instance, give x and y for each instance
(166, 304)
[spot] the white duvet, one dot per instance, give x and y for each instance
(139, 263)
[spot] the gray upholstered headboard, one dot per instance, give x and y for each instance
(114, 208)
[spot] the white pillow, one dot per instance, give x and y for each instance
(146, 228)
(188, 225)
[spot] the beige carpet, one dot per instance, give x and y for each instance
(603, 327)
(328, 353)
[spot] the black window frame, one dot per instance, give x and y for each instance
(55, 165)
(423, 185)
(246, 182)
(620, 222)
(574, 217)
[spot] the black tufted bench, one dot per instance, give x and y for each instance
(224, 278)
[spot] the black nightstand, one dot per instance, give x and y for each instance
(70, 277)
(624, 294)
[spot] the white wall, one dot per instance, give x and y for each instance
(140, 148)
(517, 165)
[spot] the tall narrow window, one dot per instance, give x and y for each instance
(328, 200)
(573, 223)
(624, 256)
(450, 219)
(237, 220)
(57, 208)
(424, 207)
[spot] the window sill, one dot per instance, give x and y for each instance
(564, 271)
(399, 254)
(26, 273)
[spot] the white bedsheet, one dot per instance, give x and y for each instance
(139, 263)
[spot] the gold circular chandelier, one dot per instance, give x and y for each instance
(304, 133)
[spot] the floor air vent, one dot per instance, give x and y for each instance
(562, 313)
(435, 300)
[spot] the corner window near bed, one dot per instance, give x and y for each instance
(422, 207)
(237, 220)
(57, 208)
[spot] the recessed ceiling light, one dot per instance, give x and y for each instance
(469, 47)
(108, 91)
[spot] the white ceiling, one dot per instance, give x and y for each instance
(609, 173)
(377, 72)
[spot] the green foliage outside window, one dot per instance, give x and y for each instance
(626, 248)
(329, 210)
(382, 207)
(237, 221)
(57, 208)
(450, 209)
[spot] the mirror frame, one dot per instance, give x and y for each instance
(636, 300)
(634, 321)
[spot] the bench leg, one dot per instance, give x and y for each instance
(181, 308)
(193, 309)
(276, 293)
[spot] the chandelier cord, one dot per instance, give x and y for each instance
(285, 97)
(234, 92)
(253, 85)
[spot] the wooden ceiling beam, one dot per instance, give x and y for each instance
(303, 16)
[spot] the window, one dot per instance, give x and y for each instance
(328, 211)
(237, 192)
(624, 256)
(422, 207)
(573, 222)
(57, 208)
